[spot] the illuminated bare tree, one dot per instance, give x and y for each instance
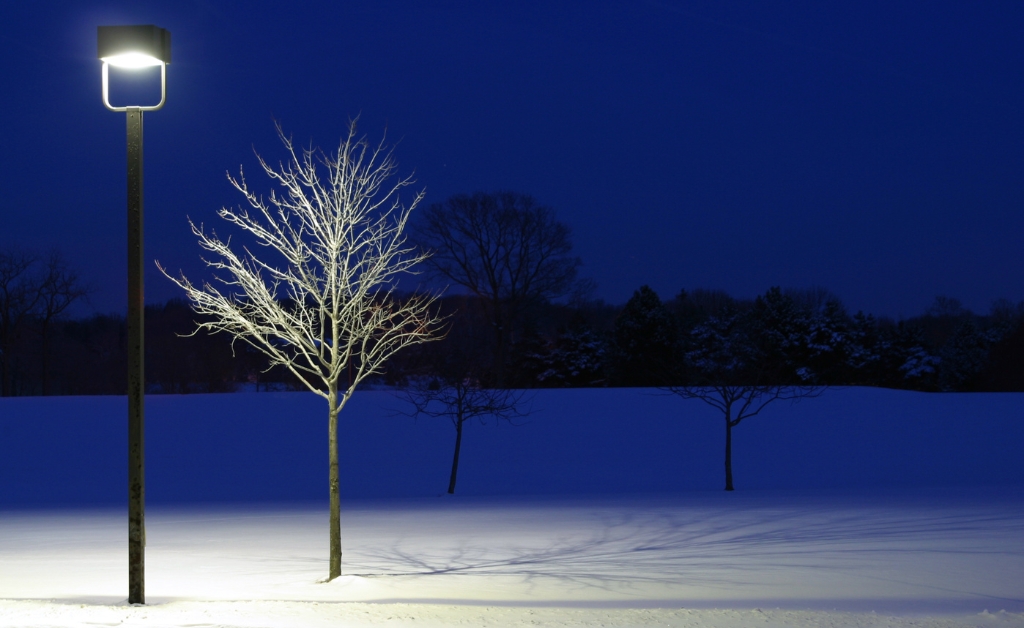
(325, 309)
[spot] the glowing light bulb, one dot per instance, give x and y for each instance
(132, 60)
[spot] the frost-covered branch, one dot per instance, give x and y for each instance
(322, 301)
(325, 297)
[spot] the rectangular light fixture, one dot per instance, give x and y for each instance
(135, 46)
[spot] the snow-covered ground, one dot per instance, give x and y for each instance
(930, 557)
(859, 508)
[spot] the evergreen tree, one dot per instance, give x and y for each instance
(780, 331)
(906, 363)
(694, 307)
(829, 344)
(576, 358)
(963, 357)
(646, 342)
(1004, 370)
(863, 360)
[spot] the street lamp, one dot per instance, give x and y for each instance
(135, 47)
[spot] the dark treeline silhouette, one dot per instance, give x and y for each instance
(801, 337)
(88, 356)
(783, 337)
(519, 318)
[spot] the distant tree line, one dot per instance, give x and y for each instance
(785, 337)
(693, 337)
(519, 317)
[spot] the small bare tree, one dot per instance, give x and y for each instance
(737, 402)
(448, 383)
(462, 400)
(737, 364)
(325, 309)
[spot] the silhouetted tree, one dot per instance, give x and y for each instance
(577, 357)
(506, 249)
(963, 357)
(461, 400)
(802, 336)
(694, 307)
(449, 382)
(740, 362)
(646, 343)
(180, 361)
(94, 356)
(32, 293)
(905, 359)
(1004, 369)
(59, 288)
(19, 296)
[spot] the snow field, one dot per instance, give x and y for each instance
(263, 614)
(802, 558)
(860, 508)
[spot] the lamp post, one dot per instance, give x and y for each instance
(135, 47)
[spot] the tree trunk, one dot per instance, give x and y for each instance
(455, 461)
(332, 438)
(728, 454)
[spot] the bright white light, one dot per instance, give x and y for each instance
(132, 60)
(944, 553)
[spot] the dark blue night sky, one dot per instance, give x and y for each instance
(873, 148)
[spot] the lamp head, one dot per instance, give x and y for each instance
(134, 47)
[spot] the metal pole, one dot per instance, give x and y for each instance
(136, 370)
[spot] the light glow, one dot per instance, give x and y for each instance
(132, 61)
(936, 552)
